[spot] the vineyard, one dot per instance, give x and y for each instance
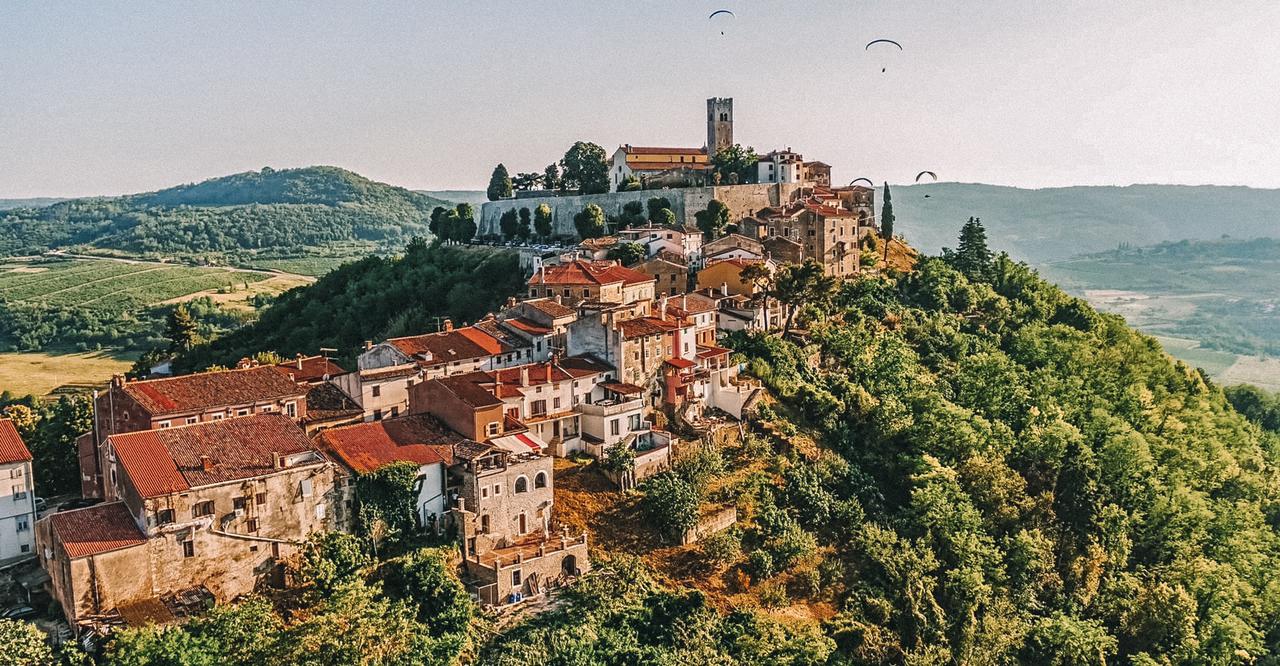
(87, 305)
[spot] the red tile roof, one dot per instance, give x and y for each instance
(711, 351)
(96, 529)
(445, 346)
(681, 363)
(390, 372)
(313, 368)
(207, 390)
(642, 326)
(581, 271)
(550, 308)
(584, 364)
(528, 326)
(160, 462)
(657, 150)
(468, 390)
(690, 304)
(365, 447)
(12, 449)
(735, 261)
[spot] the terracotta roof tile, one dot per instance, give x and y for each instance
(527, 325)
(313, 368)
(468, 390)
(667, 166)
(681, 363)
(169, 460)
(96, 529)
(11, 447)
(642, 326)
(658, 150)
(550, 308)
(581, 271)
(445, 346)
(206, 390)
(365, 447)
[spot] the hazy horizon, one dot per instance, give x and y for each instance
(108, 98)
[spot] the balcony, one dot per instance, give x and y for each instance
(605, 408)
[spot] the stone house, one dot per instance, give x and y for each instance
(366, 447)
(656, 166)
(726, 276)
(784, 250)
(448, 352)
(751, 247)
(698, 309)
(380, 392)
(579, 280)
(827, 233)
(310, 369)
(670, 278)
(17, 495)
(686, 243)
(213, 505)
(133, 406)
(544, 314)
(511, 546)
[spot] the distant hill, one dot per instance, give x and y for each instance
(457, 196)
(34, 202)
(1052, 224)
(268, 213)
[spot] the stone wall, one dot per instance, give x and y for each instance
(710, 523)
(742, 200)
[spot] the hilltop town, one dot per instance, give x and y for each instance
(200, 488)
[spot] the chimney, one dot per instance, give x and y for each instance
(299, 361)
(524, 375)
(245, 363)
(368, 344)
(206, 463)
(276, 462)
(511, 302)
(448, 326)
(549, 371)
(117, 381)
(724, 288)
(662, 308)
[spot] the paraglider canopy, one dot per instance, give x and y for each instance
(931, 174)
(721, 16)
(882, 44)
(855, 181)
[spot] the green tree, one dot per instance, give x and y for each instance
(464, 226)
(590, 222)
(436, 214)
(971, 257)
(672, 504)
(542, 222)
(181, 329)
(886, 222)
(500, 185)
(630, 184)
(632, 214)
(426, 580)
(23, 644)
(551, 178)
(509, 224)
(386, 509)
(627, 254)
(736, 164)
(586, 168)
(525, 229)
(1063, 640)
(656, 205)
(713, 220)
(666, 218)
(331, 559)
(802, 284)
(524, 182)
(56, 461)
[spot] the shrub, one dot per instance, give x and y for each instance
(722, 548)
(774, 595)
(671, 504)
(760, 564)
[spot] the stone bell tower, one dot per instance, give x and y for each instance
(719, 124)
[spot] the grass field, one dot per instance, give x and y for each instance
(313, 266)
(112, 285)
(40, 373)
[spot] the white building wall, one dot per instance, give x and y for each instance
(17, 510)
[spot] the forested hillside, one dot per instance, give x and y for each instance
(1050, 224)
(268, 213)
(373, 299)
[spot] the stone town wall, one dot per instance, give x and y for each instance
(742, 200)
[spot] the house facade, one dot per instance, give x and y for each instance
(17, 495)
(579, 281)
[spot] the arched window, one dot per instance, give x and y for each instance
(522, 485)
(540, 481)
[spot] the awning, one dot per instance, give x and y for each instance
(519, 443)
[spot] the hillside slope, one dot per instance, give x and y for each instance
(245, 214)
(1051, 224)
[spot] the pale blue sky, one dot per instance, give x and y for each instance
(103, 97)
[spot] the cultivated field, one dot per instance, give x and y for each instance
(112, 285)
(39, 373)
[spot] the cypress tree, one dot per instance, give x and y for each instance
(886, 222)
(500, 186)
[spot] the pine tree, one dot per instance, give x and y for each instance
(181, 329)
(525, 228)
(886, 222)
(972, 257)
(500, 186)
(509, 224)
(551, 177)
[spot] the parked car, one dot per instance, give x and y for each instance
(41, 504)
(18, 613)
(79, 503)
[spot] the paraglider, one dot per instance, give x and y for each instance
(725, 14)
(865, 180)
(931, 174)
(887, 42)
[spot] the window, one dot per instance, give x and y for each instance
(24, 523)
(522, 485)
(523, 525)
(163, 424)
(538, 407)
(395, 411)
(267, 409)
(613, 427)
(586, 293)
(188, 549)
(484, 492)
(242, 412)
(291, 408)
(484, 524)
(566, 292)
(321, 511)
(202, 509)
(492, 429)
(164, 516)
(376, 391)
(25, 548)
(515, 578)
(217, 417)
(260, 498)
(19, 495)
(555, 403)
(15, 473)
(239, 503)
(540, 481)
(377, 415)
(192, 420)
(251, 525)
(497, 489)
(305, 487)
